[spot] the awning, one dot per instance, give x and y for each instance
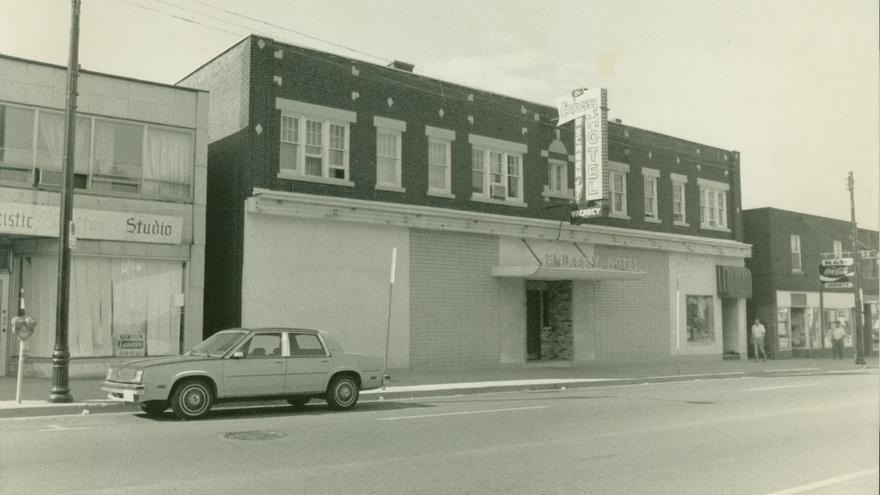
(734, 281)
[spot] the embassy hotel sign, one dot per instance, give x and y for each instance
(42, 221)
(553, 260)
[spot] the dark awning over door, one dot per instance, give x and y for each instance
(734, 281)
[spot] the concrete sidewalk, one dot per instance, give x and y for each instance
(89, 398)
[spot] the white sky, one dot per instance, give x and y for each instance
(794, 85)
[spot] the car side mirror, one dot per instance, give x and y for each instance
(237, 355)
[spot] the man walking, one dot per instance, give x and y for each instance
(837, 335)
(758, 332)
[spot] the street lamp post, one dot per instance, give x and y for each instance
(61, 353)
(857, 310)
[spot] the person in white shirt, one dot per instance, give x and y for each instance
(758, 332)
(837, 335)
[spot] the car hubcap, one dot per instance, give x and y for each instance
(344, 393)
(194, 400)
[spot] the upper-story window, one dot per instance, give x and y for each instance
(389, 146)
(439, 161)
(679, 210)
(497, 170)
(650, 177)
(110, 155)
(557, 177)
(314, 142)
(796, 265)
(617, 173)
(838, 249)
(713, 204)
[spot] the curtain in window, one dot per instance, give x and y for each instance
(168, 168)
(104, 143)
(109, 297)
(50, 145)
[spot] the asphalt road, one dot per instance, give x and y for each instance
(788, 434)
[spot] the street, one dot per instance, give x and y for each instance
(793, 433)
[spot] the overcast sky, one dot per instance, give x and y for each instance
(791, 84)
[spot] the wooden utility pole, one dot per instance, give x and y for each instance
(857, 316)
(61, 353)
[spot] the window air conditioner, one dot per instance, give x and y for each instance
(499, 192)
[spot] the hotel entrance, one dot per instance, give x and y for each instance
(549, 334)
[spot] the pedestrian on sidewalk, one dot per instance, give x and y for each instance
(837, 335)
(758, 333)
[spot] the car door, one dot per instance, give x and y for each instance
(309, 364)
(261, 370)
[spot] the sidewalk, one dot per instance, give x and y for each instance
(88, 396)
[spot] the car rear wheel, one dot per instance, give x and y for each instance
(299, 402)
(342, 393)
(192, 399)
(154, 407)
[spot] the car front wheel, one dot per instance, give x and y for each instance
(192, 399)
(342, 393)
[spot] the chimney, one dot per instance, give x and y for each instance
(397, 64)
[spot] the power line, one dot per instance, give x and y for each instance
(193, 21)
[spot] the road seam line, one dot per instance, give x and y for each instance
(392, 418)
(824, 483)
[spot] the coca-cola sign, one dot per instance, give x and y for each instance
(836, 271)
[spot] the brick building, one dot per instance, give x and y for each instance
(787, 250)
(320, 166)
(140, 169)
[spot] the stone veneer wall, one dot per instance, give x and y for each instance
(557, 340)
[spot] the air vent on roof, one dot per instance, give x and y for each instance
(397, 64)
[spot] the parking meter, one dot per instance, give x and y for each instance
(23, 328)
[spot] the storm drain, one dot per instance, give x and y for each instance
(253, 435)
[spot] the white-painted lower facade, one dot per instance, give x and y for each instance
(475, 290)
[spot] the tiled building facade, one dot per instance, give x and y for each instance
(787, 250)
(140, 172)
(321, 166)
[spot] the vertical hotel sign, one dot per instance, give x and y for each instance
(589, 109)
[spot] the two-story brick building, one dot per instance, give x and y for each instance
(797, 311)
(320, 166)
(140, 173)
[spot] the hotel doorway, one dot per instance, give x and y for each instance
(549, 334)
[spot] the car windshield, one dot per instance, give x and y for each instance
(218, 344)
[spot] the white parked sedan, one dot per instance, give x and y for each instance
(247, 364)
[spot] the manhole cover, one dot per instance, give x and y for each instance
(253, 435)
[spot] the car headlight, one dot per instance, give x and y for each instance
(138, 376)
(109, 373)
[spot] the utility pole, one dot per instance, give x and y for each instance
(61, 354)
(857, 320)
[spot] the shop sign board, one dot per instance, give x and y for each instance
(836, 273)
(580, 213)
(131, 346)
(555, 260)
(43, 221)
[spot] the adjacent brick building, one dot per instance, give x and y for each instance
(787, 250)
(320, 166)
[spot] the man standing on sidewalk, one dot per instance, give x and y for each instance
(837, 335)
(758, 332)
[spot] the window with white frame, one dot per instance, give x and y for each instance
(650, 178)
(439, 165)
(796, 265)
(679, 215)
(388, 165)
(713, 204)
(497, 169)
(558, 177)
(439, 160)
(314, 142)
(617, 173)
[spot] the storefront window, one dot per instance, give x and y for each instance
(875, 326)
(701, 324)
(843, 317)
(118, 307)
(783, 329)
